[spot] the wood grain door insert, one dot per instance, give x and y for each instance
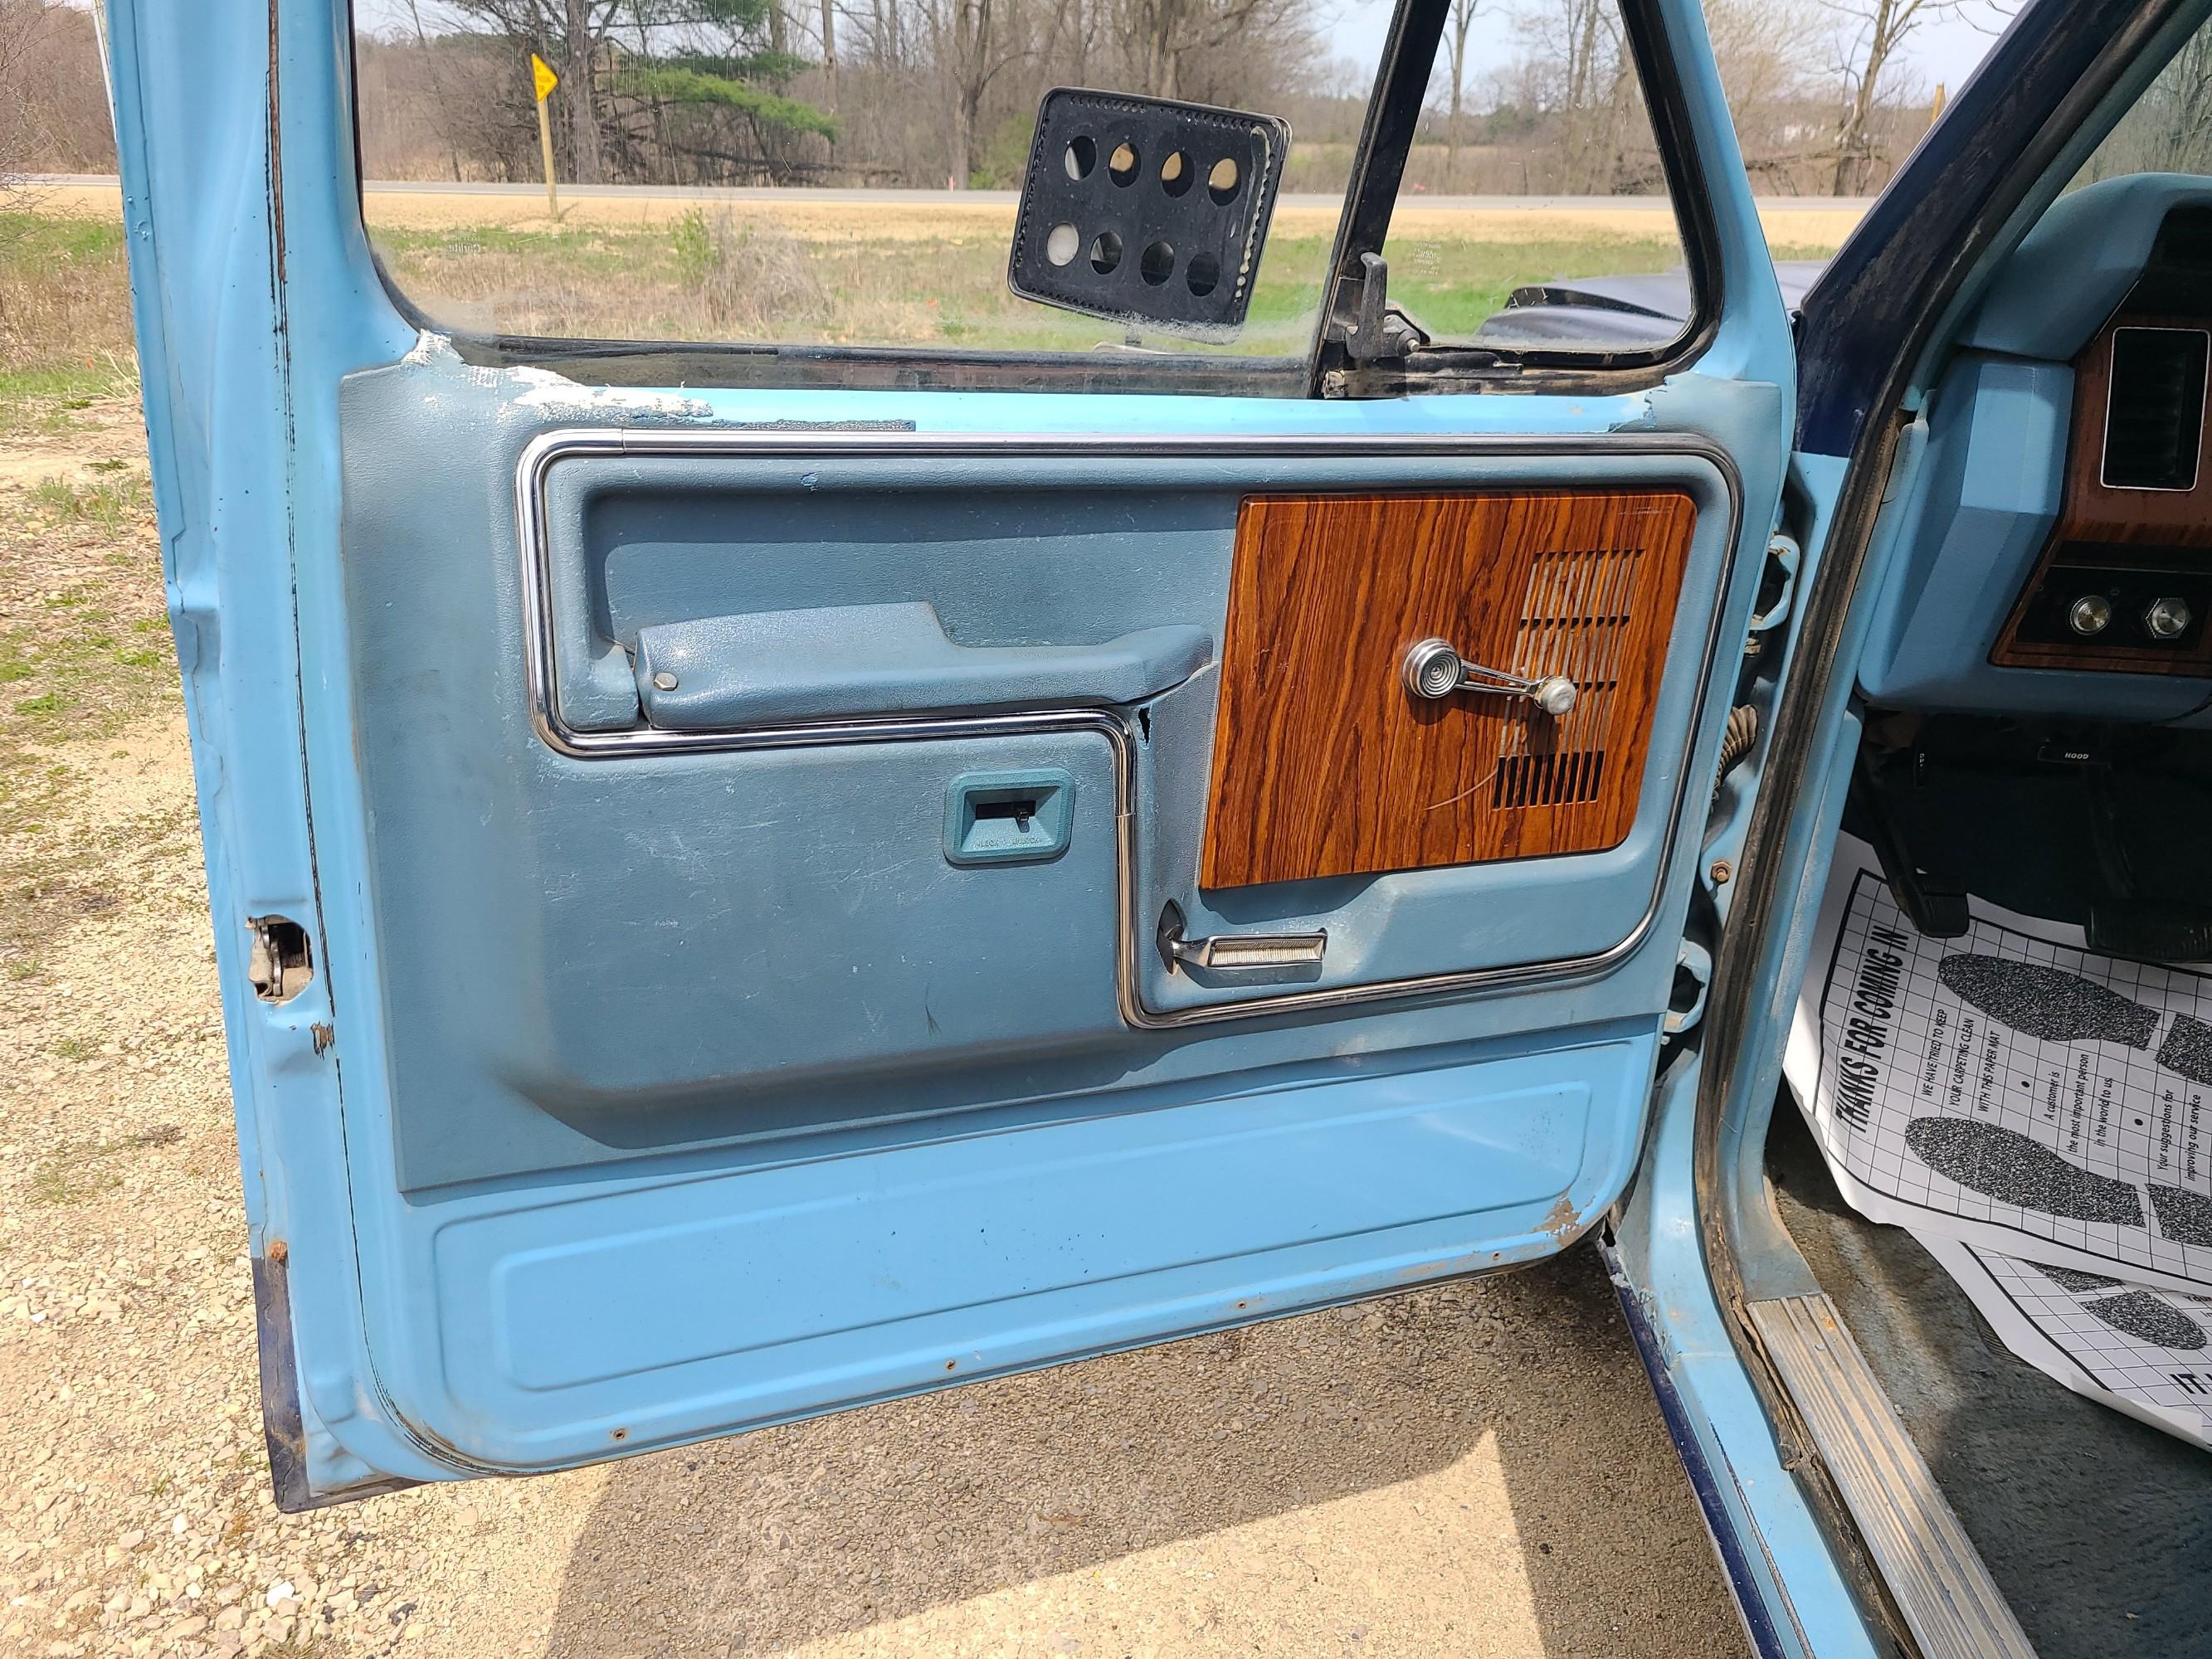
(1324, 764)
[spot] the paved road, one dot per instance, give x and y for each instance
(1767, 205)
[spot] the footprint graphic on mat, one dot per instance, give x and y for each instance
(2151, 1319)
(2183, 1216)
(2141, 1314)
(2009, 1167)
(2058, 1006)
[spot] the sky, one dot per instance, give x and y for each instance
(1944, 48)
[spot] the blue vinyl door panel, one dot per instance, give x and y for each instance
(882, 1272)
(731, 825)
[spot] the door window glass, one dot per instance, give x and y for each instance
(843, 173)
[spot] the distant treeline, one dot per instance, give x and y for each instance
(943, 92)
(53, 105)
(1529, 96)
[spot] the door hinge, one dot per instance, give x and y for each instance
(279, 964)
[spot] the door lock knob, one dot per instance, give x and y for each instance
(2090, 615)
(1433, 671)
(2167, 618)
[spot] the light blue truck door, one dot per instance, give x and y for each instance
(708, 880)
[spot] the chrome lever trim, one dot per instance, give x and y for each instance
(1231, 952)
(1433, 670)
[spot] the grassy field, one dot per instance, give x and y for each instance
(65, 320)
(726, 274)
(807, 270)
(750, 277)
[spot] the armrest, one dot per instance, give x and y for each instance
(856, 661)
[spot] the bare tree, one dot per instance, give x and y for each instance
(583, 43)
(441, 100)
(27, 27)
(1761, 48)
(1457, 27)
(2169, 129)
(1198, 48)
(973, 45)
(1870, 43)
(1575, 69)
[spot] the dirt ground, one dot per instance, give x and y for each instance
(1472, 1469)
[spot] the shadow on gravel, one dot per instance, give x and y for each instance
(788, 1535)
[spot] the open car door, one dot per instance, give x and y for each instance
(750, 879)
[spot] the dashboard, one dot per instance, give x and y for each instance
(2054, 551)
(2124, 582)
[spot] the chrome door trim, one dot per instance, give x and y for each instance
(532, 522)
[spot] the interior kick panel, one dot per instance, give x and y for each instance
(1328, 762)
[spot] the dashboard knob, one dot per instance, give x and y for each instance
(2092, 614)
(2167, 619)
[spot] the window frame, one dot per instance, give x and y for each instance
(1323, 372)
(1445, 366)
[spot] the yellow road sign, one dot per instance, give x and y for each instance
(541, 73)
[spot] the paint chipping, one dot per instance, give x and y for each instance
(1561, 1220)
(544, 389)
(429, 348)
(551, 391)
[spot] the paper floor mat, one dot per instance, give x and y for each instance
(2139, 1350)
(2035, 1114)
(2009, 1088)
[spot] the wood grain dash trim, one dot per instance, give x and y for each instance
(2103, 528)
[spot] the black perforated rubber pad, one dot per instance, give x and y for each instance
(1144, 211)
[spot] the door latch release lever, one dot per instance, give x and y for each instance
(1433, 671)
(1234, 952)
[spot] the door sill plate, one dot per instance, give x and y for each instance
(1950, 1603)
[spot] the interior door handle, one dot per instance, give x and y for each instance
(775, 667)
(1234, 952)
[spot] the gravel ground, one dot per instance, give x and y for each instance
(1475, 1469)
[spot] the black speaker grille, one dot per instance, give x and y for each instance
(2154, 413)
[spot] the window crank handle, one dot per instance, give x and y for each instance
(1434, 671)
